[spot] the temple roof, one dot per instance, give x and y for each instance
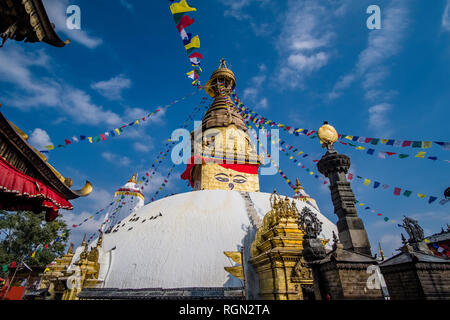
(27, 20)
(25, 161)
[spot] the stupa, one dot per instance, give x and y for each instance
(223, 239)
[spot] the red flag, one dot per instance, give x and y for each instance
(367, 140)
(196, 55)
(103, 136)
(390, 153)
(185, 21)
(406, 143)
(350, 176)
(67, 141)
(397, 191)
(74, 226)
(13, 264)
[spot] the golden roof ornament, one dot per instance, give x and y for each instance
(327, 135)
(222, 73)
(133, 178)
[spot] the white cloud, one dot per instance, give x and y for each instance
(35, 92)
(116, 159)
(390, 243)
(382, 45)
(87, 228)
(378, 116)
(304, 41)
(56, 10)
(112, 88)
(127, 5)
(446, 17)
(252, 92)
(39, 139)
(262, 104)
(142, 147)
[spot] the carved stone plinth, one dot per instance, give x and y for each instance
(343, 274)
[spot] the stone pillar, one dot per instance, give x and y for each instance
(352, 233)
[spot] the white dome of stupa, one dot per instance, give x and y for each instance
(178, 241)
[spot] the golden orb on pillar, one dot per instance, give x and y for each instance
(327, 135)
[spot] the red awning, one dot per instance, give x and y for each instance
(19, 191)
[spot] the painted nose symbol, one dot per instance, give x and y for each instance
(231, 186)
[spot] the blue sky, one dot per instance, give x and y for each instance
(296, 62)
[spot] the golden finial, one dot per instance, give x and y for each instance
(100, 239)
(133, 178)
(381, 251)
(327, 135)
(225, 75)
(70, 251)
(298, 186)
(83, 243)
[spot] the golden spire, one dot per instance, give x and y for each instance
(298, 186)
(100, 239)
(70, 251)
(381, 251)
(84, 243)
(133, 178)
(327, 135)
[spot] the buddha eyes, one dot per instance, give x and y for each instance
(239, 179)
(222, 177)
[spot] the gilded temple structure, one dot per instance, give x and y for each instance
(225, 239)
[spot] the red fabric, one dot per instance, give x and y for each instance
(397, 191)
(40, 196)
(15, 293)
(185, 21)
(244, 168)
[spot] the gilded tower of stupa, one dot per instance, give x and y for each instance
(223, 156)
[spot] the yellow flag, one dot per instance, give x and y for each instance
(46, 270)
(195, 43)
(349, 137)
(421, 195)
(234, 255)
(136, 122)
(298, 130)
(300, 153)
(360, 148)
(238, 272)
(49, 147)
(420, 154)
(180, 7)
(311, 173)
(384, 141)
(90, 139)
(427, 144)
(33, 254)
(366, 182)
(117, 131)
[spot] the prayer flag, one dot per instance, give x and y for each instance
(194, 43)
(180, 7)
(185, 22)
(360, 148)
(432, 199)
(381, 155)
(384, 141)
(390, 153)
(420, 154)
(402, 156)
(407, 193)
(397, 143)
(370, 151)
(376, 184)
(49, 147)
(5, 268)
(82, 137)
(67, 141)
(417, 144)
(195, 58)
(397, 191)
(390, 142)
(420, 195)
(350, 176)
(366, 182)
(117, 131)
(102, 136)
(374, 141)
(406, 143)
(89, 139)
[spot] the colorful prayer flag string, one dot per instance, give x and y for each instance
(256, 118)
(117, 131)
